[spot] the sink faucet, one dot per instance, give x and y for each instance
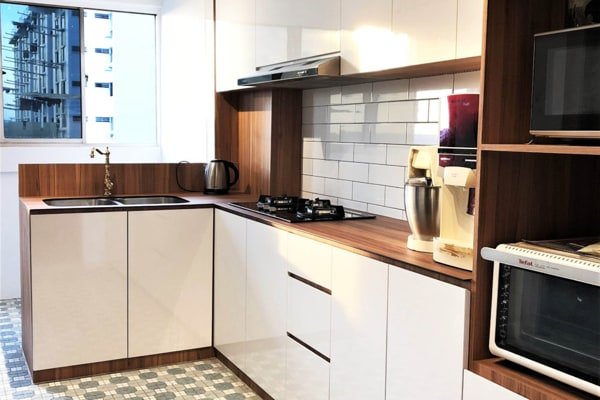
(108, 183)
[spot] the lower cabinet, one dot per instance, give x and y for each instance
(306, 374)
(170, 280)
(476, 387)
(359, 287)
(78, 288)
(427, 337)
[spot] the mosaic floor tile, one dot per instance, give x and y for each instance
(207, 379)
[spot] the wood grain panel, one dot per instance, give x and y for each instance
(227, 128)
(125, 364)
(527, 383)
(88, 179)
(26, 311)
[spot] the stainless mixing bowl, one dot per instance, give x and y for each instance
(423, 210)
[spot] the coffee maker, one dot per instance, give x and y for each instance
(421, 197)
(457, 161)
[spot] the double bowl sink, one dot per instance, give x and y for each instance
(115, 201)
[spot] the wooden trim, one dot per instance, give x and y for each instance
(107, 367)
(309, 347)
(543, 148)
(309, 283)
(243, 377)
(526, 382)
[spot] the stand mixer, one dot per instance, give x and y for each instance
(421, 197)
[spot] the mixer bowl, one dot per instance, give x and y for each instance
(423, 210)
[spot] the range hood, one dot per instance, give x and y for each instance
(298, 73)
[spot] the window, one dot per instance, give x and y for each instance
(42, 59)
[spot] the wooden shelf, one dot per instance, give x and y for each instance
(525, 382)
(543, 148)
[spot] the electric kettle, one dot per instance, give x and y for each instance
(217, 176)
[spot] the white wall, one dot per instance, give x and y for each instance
(186, 113)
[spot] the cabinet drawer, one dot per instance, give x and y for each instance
(309, 315)
(310, 259)
(306, 374)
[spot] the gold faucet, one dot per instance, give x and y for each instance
(108, 183)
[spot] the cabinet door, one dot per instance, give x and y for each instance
(358, 327)
(469, 28)
(427, 30)
(286, 31)
(230, 286)
(306, 375)
(427, 337)
(265, 307)
(79, 288)
(234, 42)
(477, 388)
(170, 280)
(367, 42)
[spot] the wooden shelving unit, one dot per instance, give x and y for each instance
(525, 191)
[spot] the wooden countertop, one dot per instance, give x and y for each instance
(382, 238)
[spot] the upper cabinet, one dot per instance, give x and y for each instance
(234, 42)
(469, 28)
(286, 31)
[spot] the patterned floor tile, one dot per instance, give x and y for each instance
(206, 379)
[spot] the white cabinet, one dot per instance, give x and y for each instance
(358, 327)
(307, 375)
(266, 307)
(170, 280)
(234, 42)
(427, 334)
(469, 28)
(79, 288)
(286, 30)
(477, 388)
(230, 286)
(425, 30)
(310, 260)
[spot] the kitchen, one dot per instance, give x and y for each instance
(238, 113)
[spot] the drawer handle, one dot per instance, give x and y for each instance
(309, 283)
(309, 348)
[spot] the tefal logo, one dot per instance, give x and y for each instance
(526, 262)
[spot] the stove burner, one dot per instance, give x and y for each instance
(320, 209)
(277, 203)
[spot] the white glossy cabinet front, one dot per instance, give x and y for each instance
(79, 288)
(170, 280)
(230, 287)
(469, 28)
(266, 307)
(234, 42)
(358, 327)
(288, 30)
(477, 388)
(426, 343)
(306, 375)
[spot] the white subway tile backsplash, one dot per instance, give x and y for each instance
(321, 132)
(312, 149)
(340, 151)
(467, 82)
(386, 175)
(386, 211)
(355, 205)
(434, 110)
(356, 172)
(370, 153)
(354, 94)
(394, 197)
(388, 133)
(430, 87)
(377, 112)
(343, 114)
(326, 168)
(390, 90)
(338, 188)
(423, 134)
(356, 133)
(315, 115)
(313, 184)
(372, 194)
(409, 111)
(307, 166)
(321, 97)
(397, 155)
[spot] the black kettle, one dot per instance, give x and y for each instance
(217, 177)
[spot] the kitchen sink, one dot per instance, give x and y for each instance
(115, 201)
(145, 200)
(81, 202)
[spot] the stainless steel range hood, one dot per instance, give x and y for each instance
(298, 73)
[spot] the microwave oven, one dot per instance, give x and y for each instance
(545, 312)
(565, 99)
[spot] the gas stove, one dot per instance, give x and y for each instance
(297, 209)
